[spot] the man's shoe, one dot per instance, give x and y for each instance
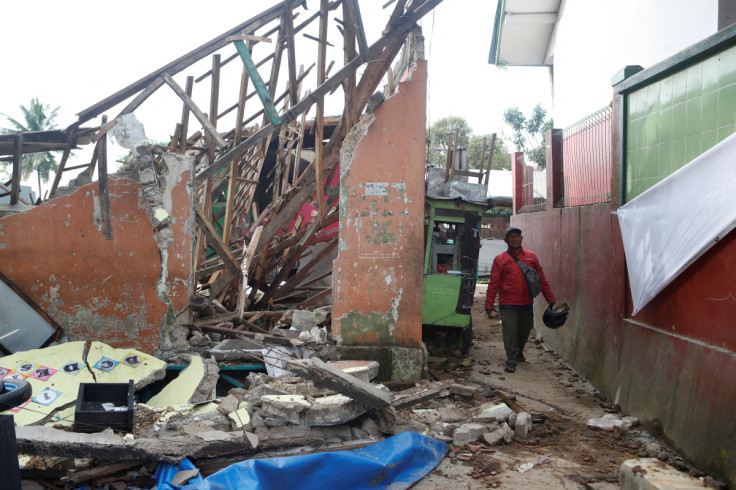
(521, 358)
(510, 368)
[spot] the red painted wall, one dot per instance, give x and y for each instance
(701, 303)
(672, 365)
(94, 288)
(379, 270)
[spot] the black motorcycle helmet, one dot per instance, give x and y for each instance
(555, 317)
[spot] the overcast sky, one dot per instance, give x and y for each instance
(74, 54)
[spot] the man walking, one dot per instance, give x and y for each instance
(515, 302)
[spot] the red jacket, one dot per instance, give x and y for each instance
(508, 281)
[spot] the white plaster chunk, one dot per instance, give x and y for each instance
(128, 131)
(241, 417)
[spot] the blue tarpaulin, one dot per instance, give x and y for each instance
(166, 472)
(396, 463)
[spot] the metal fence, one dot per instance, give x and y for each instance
(586, 160)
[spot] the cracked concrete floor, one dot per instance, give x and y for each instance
(577, 457)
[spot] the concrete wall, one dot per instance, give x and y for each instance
(125, 291)
(378, 273)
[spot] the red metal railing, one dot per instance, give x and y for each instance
(586, 160)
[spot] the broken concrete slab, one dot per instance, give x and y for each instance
(194, 384)
(467, 433)
(464, 390)
(327, 376)
(332, 410)
(228, 405)
(492, 438)
(255, 394)
(653, 474)
(304, 320)
(363, 370)
(55, 373)
(285, 407)
(47, 441)
(451, 415)
(508, 433)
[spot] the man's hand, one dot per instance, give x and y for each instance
(490, 312)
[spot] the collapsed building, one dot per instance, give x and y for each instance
(224, 230)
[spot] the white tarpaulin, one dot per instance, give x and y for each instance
(670, 225)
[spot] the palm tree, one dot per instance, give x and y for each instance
(36, 119)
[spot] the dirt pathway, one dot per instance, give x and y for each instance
(566, 453)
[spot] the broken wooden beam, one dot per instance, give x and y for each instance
(222, 249)
(201, 117)
(105, 217)
(258, 83)
(17, 166)
(411, 397)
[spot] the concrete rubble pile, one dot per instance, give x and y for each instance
(307, 405)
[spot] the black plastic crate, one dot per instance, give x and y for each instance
(90, 416)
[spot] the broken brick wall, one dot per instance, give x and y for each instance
(377, 278)
(125, 291)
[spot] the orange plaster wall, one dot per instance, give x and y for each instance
(377, 277)
(94, 288)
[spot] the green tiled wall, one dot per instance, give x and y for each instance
(672, 121)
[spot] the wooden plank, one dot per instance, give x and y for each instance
(256, 337)
(235, 164)
(490, 156)
(508, 401)
(216, 242)
(482, 158)
(201, 117)
(315, 298)
(214, 102)
(291, 57)
(301, 274)
(317, 39)
(247, 259)
(349, 83)
(17, 168)
(448, 161)
(247, 27)
(469, 173)
(455, 156)
(247, 38)
(319, 117)
(104, 192)
(104, 130)
(185, 116)
(258, 84)
(365, 51)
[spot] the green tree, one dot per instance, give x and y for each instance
(37, 117)
(441, 130)
(501, 156)
(528, 134)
